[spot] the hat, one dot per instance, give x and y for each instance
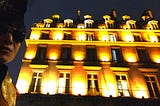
(12, 13)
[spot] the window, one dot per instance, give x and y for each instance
(137, 37)
(91, 54)
(36, 81)
(90, 37)
(122, 85)
(143, 55)
(66, 53)
(41, 52)
(158, 36)
(93, 84)
(88, 23)
(67, 36)
(116, 55)
(64, 83)
(45, 35)
(113, 37)
(152, 86)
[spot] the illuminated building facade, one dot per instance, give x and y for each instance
(107, 58)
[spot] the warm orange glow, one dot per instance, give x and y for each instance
(103, 36)
(104, 57)
(35, 35)
(53, 56)
(81, 36)
(30, 55)
(78, 56)
(61, 86)
(141, 93)
(156, 58)
(22, 86)
(49, 87)
(130, 57)
(129, 38)
(109, 91)
(57, 35)
(153, 39)
(78, 88)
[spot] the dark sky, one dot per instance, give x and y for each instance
(40, 9)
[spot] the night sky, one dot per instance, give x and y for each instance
(40, 9)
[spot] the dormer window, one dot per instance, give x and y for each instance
(88, 23)
(68, 23)
(153, 24)
(47, 22)
(131, 24)
(108, 22)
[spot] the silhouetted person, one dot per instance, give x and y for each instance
(12, 34)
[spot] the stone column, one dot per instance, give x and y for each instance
(24, 78)
(78, 79)
(137, 82)
(108, 80)
(50, 79)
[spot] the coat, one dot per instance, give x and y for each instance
(8, 91)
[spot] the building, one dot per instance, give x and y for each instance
(91, 62)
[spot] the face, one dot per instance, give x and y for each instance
(8, 47)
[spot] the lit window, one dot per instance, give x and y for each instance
(68, 23)
(122, 85)
(153, 24)
(152, 86)
(116, 55)
(63, 86)
(35, 85)
(93, 84)
(89, 37)
(48, 22)
(112, 37)
(88, 23)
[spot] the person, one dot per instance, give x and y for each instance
(12, 34)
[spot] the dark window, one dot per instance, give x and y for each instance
(116, 55)
(66, 54)
(152, 86)
(45, 36)
(41, 52)
(137, 38)
(158, 38)
(88, 25)
(67, 36)
(143, 55)
(91, 54)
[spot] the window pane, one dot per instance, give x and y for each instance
(155, 89)
(150, 89)
(123, 77)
